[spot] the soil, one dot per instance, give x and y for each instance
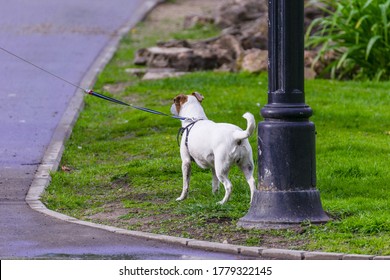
(179, 10)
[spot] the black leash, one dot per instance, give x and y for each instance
(92, 92)
(105, 97)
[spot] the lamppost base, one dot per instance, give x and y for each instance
(283, 209)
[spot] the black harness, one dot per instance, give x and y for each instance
(187, 129)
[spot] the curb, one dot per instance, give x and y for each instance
(53, 154)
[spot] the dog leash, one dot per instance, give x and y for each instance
(92, 92)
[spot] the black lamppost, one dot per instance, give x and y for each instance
(286, 192)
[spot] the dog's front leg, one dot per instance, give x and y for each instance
(186, 170)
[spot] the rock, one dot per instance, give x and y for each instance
(309, 57)
(310, 74)
(314, 10)
(254, 61)
(139, 72)
(182, 61)
(160, 73)
(318, 65)
(140, 57)
(191, 21)
(228, 50)
(174, 44)
(254, 34)
(162, 57)
(237, 11)
(205, 59)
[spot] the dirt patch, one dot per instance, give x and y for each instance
(117, 88)
(179, 10)
(110, 213)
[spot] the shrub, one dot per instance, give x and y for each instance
(355, 35)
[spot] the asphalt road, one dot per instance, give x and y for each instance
(64, 37)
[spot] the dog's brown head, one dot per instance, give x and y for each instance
(179, 100)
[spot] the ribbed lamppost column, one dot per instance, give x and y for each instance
(287, 193)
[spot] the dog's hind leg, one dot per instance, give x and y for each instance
(186, 170)
(222, 172)
(215, 182)
(247, 167)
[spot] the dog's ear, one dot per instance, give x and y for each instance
(180, 100)
(198, 96)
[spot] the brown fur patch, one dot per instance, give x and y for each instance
(179, 101)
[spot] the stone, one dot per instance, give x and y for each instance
(162, 57)
(309, 67)
(140, 57)
(139, 72)
(212, 246)
(162, 75)
(322, 256)
(255, 61)
(191, 21)
(228, 50)
(282, 254)
(254, 34)
(236, 11)
(358, 257)
(309, 73)
(318, 65)
(309, 57)
(174, 44)
(205, 59)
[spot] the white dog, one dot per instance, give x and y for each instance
(212, 145)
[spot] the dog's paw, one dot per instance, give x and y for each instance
(221, 202)
(180, 198)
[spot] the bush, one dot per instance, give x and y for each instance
(352, 39)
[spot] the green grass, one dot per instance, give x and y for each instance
(122, 166)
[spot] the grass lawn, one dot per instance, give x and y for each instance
(122, 167)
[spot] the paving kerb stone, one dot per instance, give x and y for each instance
(251, 251)
(37, 187)
(55, 149)
(52, 155)
(165, 238)
(90, 224)
(382, 258)
(322, 256)
(282, 254)
(43, 171)
(36, 205)
(213, 246)
(358, 257)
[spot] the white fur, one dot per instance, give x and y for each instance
(215, 145)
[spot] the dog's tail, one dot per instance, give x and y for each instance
(243, 134)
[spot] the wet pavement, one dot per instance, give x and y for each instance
(64, 37)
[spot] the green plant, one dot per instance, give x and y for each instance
(356, 34)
